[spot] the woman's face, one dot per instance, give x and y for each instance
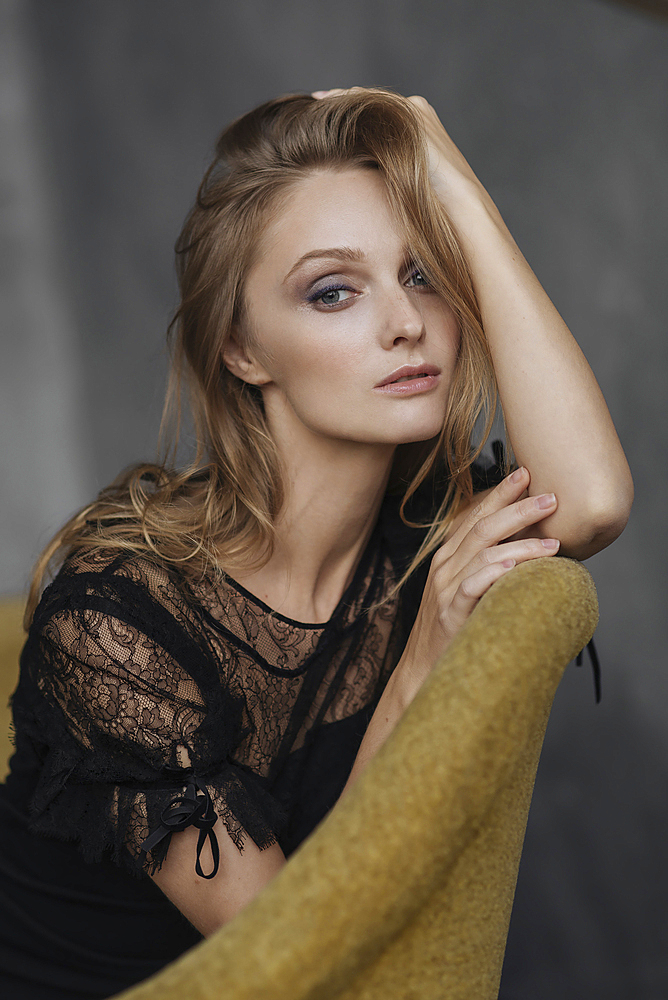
(335, 308)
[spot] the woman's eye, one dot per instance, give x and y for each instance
(417, 280)
(332, 296)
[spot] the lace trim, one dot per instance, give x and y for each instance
(152, 705)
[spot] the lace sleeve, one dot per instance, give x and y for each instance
(136, 734)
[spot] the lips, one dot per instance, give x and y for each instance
(407, 372)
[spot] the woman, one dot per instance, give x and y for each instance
(226, 646)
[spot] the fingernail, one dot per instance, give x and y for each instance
(550, 543)
(517, 475)
(508, 563)
(545, 500)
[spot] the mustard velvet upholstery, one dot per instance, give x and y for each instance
(405, 889)
(12, 638)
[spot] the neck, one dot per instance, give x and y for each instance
(333, 493)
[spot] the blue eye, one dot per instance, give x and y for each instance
(331, 296)
(417, 280)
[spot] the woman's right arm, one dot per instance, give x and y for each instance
(210, 903)
(462, 570)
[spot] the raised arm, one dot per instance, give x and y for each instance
(560, 431)
(557, 420)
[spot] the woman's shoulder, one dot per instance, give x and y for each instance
(123, 584)
(97, 566)
(121, 616)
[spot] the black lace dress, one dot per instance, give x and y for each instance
(146, 703)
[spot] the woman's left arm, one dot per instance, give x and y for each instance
(557, 420)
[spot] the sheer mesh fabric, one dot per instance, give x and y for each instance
(136, 682)
(142, 693)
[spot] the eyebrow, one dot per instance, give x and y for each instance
(347, 254)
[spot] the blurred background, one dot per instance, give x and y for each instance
(108, 116)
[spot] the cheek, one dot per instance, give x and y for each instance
(306, 356)
(446, 335)
(323, 376)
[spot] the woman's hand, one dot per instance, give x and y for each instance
(480, 550)
(475, 556)
(451, 176)
(449, 172)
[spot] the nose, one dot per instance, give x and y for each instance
(403, 320)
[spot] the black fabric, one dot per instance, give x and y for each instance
(74, 929)
(143, 695)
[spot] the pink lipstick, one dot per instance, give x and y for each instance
(410, 379)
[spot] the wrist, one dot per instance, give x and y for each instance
(408, 677)
(471, 211)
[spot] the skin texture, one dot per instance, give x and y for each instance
(319, 358)
(555, 414)
(318, 364)
(318, 361)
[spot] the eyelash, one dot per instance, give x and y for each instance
(339, 287)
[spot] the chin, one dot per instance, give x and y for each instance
(418, 438)
(418, 432)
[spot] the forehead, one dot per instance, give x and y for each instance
(330, 208)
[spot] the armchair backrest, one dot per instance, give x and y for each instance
(12, 638)
(406, 888)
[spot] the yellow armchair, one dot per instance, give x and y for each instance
(405, 889)
(12, 638)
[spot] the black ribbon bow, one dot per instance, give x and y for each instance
(193, 808)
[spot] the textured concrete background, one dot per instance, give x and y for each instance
(108, 114)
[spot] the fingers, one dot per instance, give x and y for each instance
(501, 524)
(472, 587)
(499, 517)
(520, 550)
(481, 551)
(421, 103)
(508, 491)
(319, 94)
(430, 120)
(502, 513)
(469, 592)
(496, 562)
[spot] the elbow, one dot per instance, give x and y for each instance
(598, 522)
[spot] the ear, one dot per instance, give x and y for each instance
(240, 361)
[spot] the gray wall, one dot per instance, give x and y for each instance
(108, 113)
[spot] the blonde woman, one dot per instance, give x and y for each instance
(225, 646)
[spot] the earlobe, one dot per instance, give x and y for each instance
(241, 363)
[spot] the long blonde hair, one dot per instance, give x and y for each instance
(219, 510)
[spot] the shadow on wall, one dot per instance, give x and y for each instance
(656, 7)
(590, 918)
